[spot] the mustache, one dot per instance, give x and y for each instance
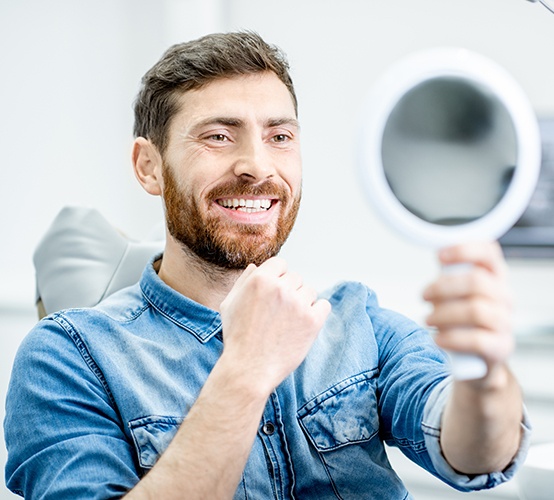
(242, 187)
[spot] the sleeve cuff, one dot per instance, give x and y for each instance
(431, 427)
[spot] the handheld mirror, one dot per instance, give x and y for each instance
(449, 153)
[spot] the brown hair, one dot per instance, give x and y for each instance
(191, 65)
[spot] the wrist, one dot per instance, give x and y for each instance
(498, 378)
(239, 379)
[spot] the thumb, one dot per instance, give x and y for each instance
(321, 309)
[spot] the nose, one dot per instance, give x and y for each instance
(253, 161)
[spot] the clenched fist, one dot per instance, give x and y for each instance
(270, 320)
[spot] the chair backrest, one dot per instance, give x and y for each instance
(82, 259)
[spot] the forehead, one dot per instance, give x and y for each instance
(259, 94)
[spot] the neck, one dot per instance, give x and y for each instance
(195, 278)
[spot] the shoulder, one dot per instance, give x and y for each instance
(122, 307)
(350, 292)
(348, 297)
(354, 302)
(68, 333)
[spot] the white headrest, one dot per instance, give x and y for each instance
(82, 259)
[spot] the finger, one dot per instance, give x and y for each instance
(244, 275)
(485, 254)
(307, 295)
(474, 313)
(478, 283)
(493, 347)
(321, 309)
(292, 280)
(275, 266)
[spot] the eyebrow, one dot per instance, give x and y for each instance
(238, 122)
(277, 122)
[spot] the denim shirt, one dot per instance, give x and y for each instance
(97, 395)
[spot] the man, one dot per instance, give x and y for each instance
(223, 375)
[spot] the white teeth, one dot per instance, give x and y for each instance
(246, 205)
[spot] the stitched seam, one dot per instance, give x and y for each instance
(334, 390)
(334, 486)
(243, 484)
(203, 340)
(139, 312)
(73, 334)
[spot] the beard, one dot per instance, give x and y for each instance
(224, 243)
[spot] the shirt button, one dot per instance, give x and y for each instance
(268, 429)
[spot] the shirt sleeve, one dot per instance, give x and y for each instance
(432, 427)
(410, 366)
(414, 383)
(63, 434)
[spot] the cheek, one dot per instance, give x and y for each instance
(291, 170)
(199, 177)
(294, 180)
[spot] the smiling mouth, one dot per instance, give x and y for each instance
(246, 205)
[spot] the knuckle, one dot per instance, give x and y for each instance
(480, 343)
(476, 281)
(477, 310)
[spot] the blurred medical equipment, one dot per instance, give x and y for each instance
(549, 4)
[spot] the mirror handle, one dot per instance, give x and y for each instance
(464, 366)
(467, 366)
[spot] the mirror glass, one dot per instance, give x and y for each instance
(449, 150)
(449, 147)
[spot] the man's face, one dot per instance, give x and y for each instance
(232, 170)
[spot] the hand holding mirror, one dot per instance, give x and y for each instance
(449, 153)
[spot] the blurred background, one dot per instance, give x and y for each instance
(70, 70)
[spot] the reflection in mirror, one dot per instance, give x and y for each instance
(449, 153)
(449, 149)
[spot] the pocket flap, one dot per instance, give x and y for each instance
(345, 414)
(152, 436)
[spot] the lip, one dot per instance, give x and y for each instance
(259, 216)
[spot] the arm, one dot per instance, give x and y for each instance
(63, 433)
(481, 425)
(207, 455)
(270, 320)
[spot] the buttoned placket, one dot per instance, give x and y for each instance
(272, 434)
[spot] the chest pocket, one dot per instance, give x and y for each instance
(345, 414)
(342, 424)
(152, 436)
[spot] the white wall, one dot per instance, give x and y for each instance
(70, 70)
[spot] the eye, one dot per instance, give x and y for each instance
(280, 138)
(218, 137)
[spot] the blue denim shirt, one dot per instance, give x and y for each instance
(97, 394)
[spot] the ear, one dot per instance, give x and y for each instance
(147, 163)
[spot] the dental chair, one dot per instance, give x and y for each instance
(82, 259)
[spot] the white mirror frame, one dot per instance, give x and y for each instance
(386, 93)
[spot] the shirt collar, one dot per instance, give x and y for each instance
(199, 320)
